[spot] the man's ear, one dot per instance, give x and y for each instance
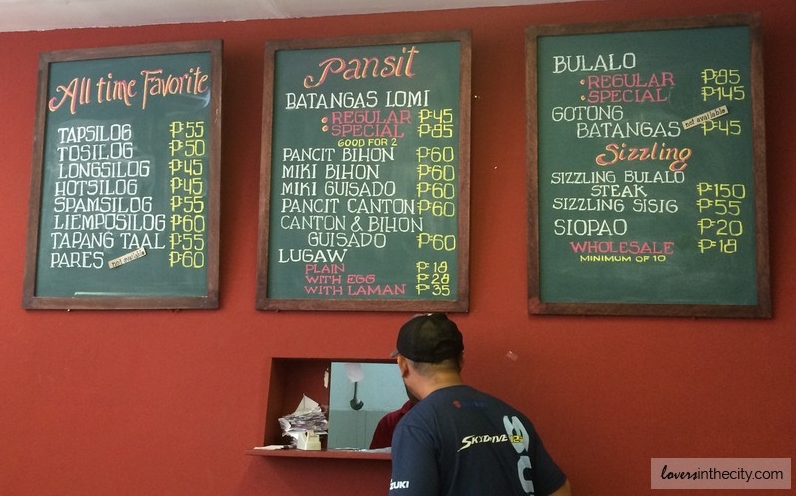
(403, 366)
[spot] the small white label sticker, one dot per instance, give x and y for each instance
(707, 116)
(133, 255)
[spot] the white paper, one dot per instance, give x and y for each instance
(308, 416)
(307, 405)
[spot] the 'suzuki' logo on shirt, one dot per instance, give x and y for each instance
(399, 485)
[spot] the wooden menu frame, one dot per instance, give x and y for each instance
(408, 67)
(125, 180)
(544, 266)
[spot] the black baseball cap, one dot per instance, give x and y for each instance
(429, 338)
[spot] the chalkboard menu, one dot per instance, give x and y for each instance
(365, 174)
(646, 167)
(124, 203)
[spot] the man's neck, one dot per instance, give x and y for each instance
(440, 381)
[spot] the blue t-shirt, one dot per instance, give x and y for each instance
(459, 441)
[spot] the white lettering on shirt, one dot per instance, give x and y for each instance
(519, 439)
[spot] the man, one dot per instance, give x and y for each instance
(457, 441)
(382, 436)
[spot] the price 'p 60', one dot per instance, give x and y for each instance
(437, 242)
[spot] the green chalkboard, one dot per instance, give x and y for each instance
(124, 203)
(365, 174)
(646, 168)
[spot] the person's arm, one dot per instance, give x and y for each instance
(414, 464)
(382, 436)
(564, 490)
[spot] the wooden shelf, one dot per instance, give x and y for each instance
(346, 454)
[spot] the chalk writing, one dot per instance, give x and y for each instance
(364, 199)
(126, 203)
(644, 168)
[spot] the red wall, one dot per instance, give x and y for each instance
(166, 403)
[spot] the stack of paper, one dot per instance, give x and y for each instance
(307, 417)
